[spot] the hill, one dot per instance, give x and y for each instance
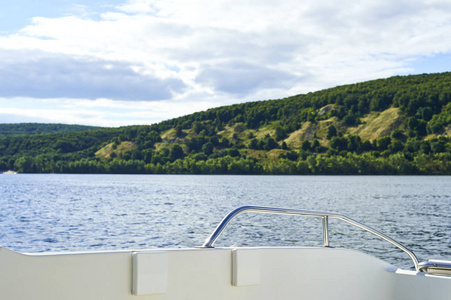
(398, 125)
(36, 128)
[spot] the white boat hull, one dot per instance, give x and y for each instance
(219, 273)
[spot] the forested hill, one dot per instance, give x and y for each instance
(399, 125)
(36, 128)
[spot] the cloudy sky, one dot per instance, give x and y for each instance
(119, 62)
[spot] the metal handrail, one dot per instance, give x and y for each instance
(325, 220)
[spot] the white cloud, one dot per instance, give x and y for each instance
(99, 112)
(242, 78)
(220, 52)
(42, 75)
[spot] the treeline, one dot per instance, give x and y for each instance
(345, 155)
(321, 164)
(39, 149)
(36, 128)
(257, 137)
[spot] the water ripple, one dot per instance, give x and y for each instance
(92, 212)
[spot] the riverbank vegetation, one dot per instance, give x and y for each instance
(399, 125)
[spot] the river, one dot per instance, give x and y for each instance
(54, 212)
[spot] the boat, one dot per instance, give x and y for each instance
(208, 272)
(9, 172)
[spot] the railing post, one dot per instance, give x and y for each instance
(326, 231)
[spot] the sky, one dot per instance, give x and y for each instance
(118, 62)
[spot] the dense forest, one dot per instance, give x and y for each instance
(400, 125)
(34, 128)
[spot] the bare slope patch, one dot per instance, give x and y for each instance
(376, 125)
(106, 151)
(306, 132)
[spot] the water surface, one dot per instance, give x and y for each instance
(41, 213)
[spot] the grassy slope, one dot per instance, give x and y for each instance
(107, 150)
(374, 125)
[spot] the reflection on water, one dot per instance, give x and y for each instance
(92, 212)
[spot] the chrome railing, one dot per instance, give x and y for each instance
(325, 220)
(436, 267)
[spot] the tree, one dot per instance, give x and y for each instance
(24, 164)
(417, 126)
(178, 131)
(438, 146)
(280, 133)
(270, 143)
(331, 132)
(253, 144)
(316, 145)
(233, 152)
(208, 148)
(3, 165)
(397, 134)
(339, 143)
(176, 153)
(350, 119)
(225, 143)
(136, 155)
(354, 144)
(198, 127)
(396, 146)
(306, 145)
(383, 143)
(292, 155)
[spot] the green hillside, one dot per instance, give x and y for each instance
(399, 125)
(36, 128)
